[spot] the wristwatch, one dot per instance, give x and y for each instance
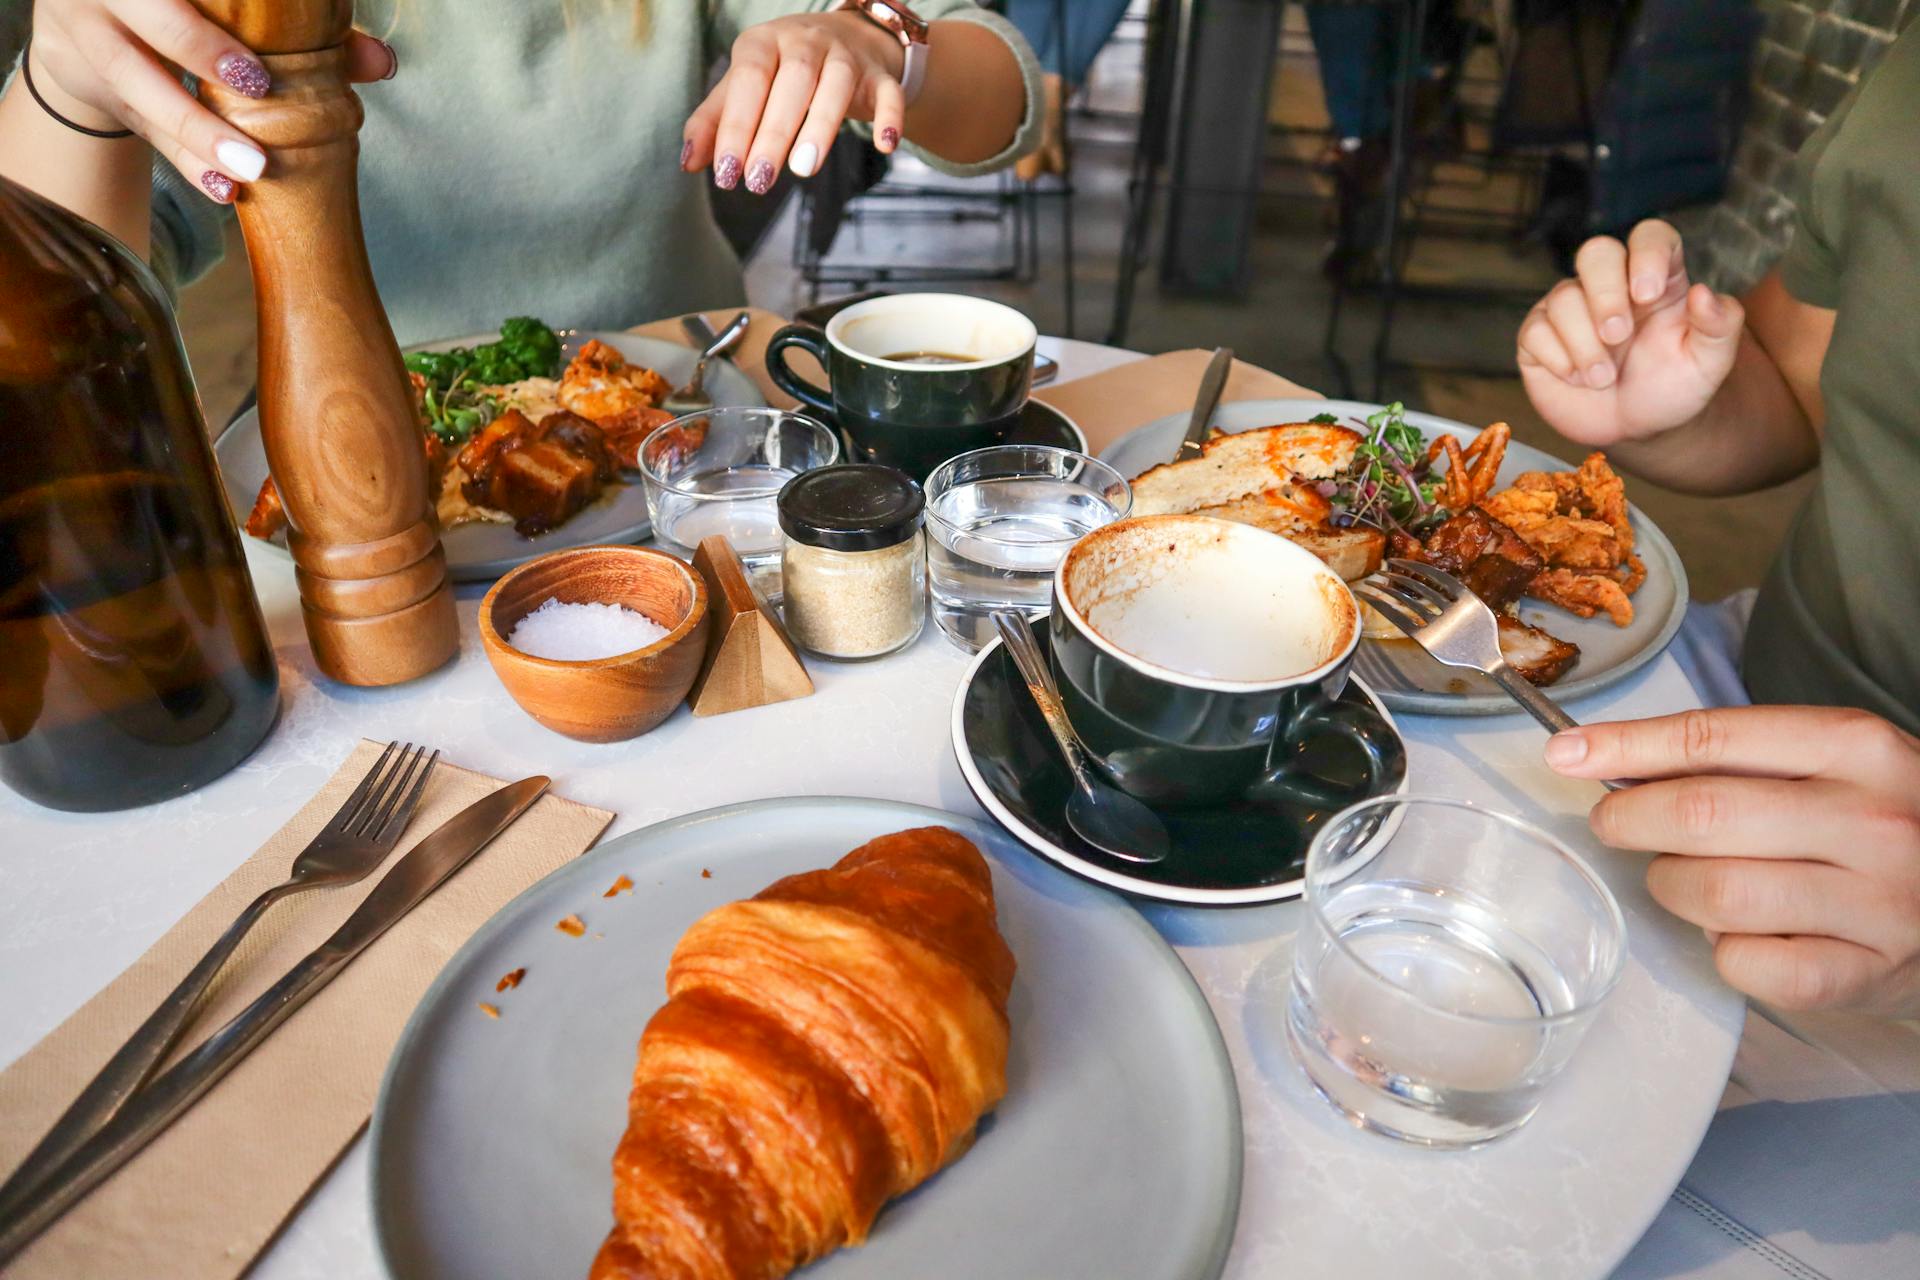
(907, 27)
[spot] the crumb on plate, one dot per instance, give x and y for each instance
(511, 981)
(705, 874)
(573, 926)
(489, 1010)
(619, 886)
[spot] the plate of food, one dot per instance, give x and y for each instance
(855, 1019)
(531, 437)
(1589, 590)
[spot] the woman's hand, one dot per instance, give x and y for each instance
(1790, 834)
(789, 86)
(1628, 349)
(115, 64)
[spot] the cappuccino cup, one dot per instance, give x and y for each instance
(1198, 658)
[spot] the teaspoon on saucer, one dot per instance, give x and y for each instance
(1101, 814)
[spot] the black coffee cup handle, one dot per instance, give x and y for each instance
(814, 342)
(1361, 726)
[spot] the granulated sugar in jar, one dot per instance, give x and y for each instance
(853, 560)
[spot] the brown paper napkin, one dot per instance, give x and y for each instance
(1108, 405)
(209, 1193)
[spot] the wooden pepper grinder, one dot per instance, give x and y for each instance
(336, 413)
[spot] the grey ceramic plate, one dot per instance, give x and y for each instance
(1115, 1153)
(482, 552)
(1399, 671)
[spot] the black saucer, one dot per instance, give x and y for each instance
(1041, 423)
(1225, 855)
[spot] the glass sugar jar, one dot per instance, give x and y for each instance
(853, 560)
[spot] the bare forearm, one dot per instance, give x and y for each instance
(1753, 434)
(974, 99)
(106, 181)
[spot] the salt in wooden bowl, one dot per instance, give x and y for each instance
(600, 699)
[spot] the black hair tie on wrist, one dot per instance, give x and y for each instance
(26, 73)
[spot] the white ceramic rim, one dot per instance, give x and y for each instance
(1084, 459)
(906, 301)
(1401, 803)
(1156, 890)
(739, 410)
(1185, 680)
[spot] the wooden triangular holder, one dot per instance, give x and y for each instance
(750, 661)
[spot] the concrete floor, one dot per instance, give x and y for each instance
(1726, 543)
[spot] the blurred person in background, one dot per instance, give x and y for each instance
(1358, 49)
(1089, 25)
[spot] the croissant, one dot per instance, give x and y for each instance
(826, 1045)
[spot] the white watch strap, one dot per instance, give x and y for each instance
(913, 74)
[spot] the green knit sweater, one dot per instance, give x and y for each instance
(526, 159)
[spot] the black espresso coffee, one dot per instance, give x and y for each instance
(929, 357)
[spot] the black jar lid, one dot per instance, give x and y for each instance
(856, 506)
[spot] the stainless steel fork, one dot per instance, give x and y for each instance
(356, 841)
(1442, 615)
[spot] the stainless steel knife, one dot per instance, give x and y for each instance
(1212, 383)
(150, 1111)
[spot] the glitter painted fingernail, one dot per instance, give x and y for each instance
(243, 75)
(889, 137)
(760, 177)
(686, 154)
(218, 185)
(726, 174)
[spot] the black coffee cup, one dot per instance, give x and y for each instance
(917, 377)
(1201, 660)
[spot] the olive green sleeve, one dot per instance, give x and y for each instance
(1815, 255)
(728, 18)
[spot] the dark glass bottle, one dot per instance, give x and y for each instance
(134, 665)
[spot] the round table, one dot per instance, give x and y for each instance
(86, 894)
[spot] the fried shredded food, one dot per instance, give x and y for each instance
(619, 886)
(511, 981)
(1577, 521)
(572, 926)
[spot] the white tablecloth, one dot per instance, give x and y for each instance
(1813, 1157)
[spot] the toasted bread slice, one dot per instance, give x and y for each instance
(1254, 477)
(1244, 464)
(1353, 552)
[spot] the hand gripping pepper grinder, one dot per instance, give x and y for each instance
(336, 413)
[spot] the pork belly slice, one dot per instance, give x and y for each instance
(1541, 658)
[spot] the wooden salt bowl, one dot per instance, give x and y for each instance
(602, 699)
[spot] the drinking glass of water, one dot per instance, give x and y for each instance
(1000, 520)
(1448, 964)
(721, 470)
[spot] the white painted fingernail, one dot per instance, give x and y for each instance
(803, 160)
(240, 160)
